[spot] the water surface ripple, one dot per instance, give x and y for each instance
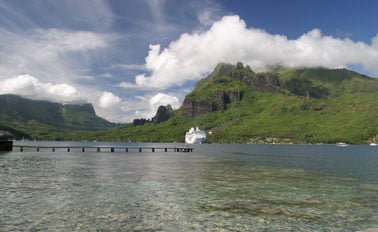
(216, 187)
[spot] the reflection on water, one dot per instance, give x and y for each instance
(217, 187)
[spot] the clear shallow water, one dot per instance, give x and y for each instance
(216, 187)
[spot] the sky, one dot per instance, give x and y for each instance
(128, 57)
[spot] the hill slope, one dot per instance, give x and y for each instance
(46, 120)
(235, 104)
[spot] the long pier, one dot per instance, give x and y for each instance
(37, 148)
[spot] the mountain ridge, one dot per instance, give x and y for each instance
(233, 104)
(26, 117)
(237, 105)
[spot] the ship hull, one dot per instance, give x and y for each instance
(194, 140)
(195, 136)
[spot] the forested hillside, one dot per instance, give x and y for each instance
(235, 104)
(46, 120)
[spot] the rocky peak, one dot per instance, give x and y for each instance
(194, 108)
(221, 100)
(261, 82)
(163, 114)
(224, 87)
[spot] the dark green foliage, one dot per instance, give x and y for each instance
(83, 117)
(163, 114)
(239, 66)
(140, 122)
(18, 108)
(304, 87)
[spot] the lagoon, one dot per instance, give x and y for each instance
(216, 187)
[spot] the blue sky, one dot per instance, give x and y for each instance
(127, 57)
(341, 18)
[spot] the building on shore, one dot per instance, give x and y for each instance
(6, 141)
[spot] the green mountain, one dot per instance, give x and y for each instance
(235, 104)
(46, 120)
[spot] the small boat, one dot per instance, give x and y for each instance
(195, 136)
(373, 144)
(341, 144)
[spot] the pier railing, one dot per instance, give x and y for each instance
(37, 148)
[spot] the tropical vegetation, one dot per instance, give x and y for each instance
(234, 105)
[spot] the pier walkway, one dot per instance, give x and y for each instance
(37, 148)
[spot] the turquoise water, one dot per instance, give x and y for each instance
(215, 188)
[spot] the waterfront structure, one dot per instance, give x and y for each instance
(69, 148)
(6, 141)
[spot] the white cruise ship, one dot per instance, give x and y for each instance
(195, 136)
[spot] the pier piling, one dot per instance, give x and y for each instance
(39, 148)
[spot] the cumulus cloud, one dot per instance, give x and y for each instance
(109, 100)
(107, 104)
(55, 60)
(208, 16)
(126, 110)
(230, 40)
(163, 99)
(30, 87)
(147, 106)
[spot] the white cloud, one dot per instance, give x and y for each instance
(107, 104)
(209, 15)
(109, 100)
(57, 40)
(128, 85)
(229, 40)
(126, 110)
(62, 59)
(130, 67)
(162, 99)
(147, 106)
(30, 87)
(48, 53)
(374, 42)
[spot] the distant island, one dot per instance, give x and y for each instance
(43, 120)
(233, 105)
